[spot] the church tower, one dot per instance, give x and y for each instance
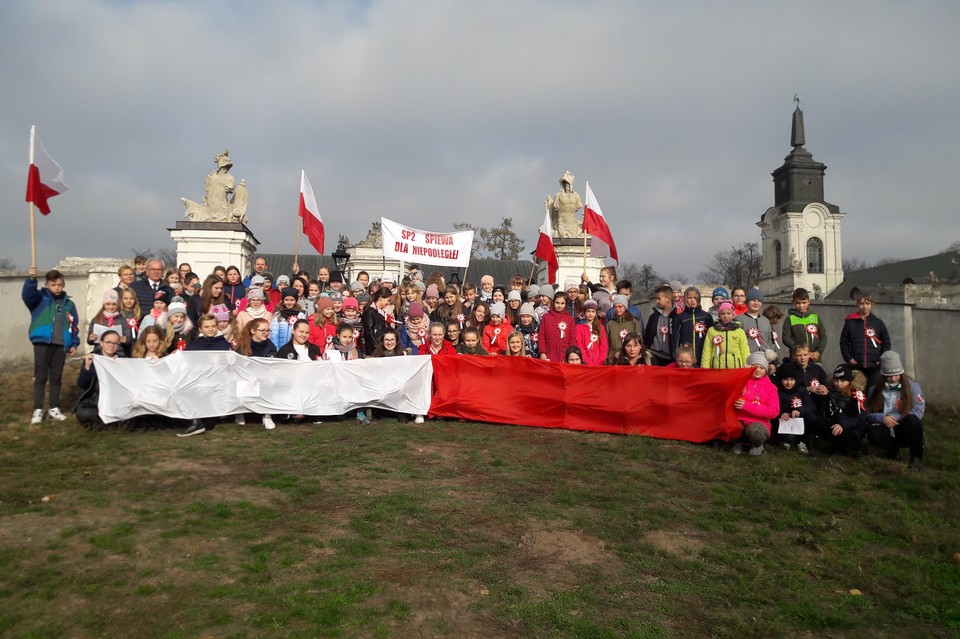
(800, 233)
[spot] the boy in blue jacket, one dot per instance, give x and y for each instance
(54, 332)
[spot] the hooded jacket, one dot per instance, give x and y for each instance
(684, 330)
(761, 403)
(554, 342)
(43, 307)
(864, 340)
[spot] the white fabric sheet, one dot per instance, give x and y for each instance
(192, 385)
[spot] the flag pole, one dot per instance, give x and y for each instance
(33, 232)
(296, 249)
(582, 230)
(532, 267)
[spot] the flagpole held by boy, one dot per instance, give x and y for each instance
(44, 181)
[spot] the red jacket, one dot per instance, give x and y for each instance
(319, 334)
(594, 351)
(446, 349)
(494, 342)
(557, 333)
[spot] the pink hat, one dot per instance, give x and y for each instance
(433, 291)
(351, 302)
(725, 304)
(416, 310)
(110, 295)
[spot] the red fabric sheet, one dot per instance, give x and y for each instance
(691, 405)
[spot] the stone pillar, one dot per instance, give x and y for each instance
(205, 245)
(570, 258)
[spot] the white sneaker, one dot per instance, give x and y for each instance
(268, 422)
(756, 450)
(56, 415)
(240, 419)
(418, 420)
(738, 449)
(786, 446)
(37, 416)
(803, 448)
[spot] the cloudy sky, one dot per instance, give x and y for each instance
(436, 111)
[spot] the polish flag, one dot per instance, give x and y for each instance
(545, 250)
(45, 179)
(310, 212)
(596, 225)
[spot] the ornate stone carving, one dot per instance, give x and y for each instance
(563, 208)
(795, 265)
(374, 237)
(222, 203)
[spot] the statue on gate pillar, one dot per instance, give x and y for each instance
(563, 208)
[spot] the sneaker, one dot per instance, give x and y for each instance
(37, 416)
(239, 419)
(787, 446)
(196, 427)
(418, 419)
(268, 422)
(362, 418)
(756, 451)
(914, 463)
(317, 420)
(56, 415)
(738, 449)
(803, 448)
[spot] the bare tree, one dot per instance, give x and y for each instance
(643, 277)
(953, 247)
(6, 264)
(466, 226)
(739, 266)
(169, 256)
(855, 263)
(502, 241)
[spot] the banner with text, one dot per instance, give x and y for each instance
(425, 247)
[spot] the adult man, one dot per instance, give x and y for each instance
(259, 266)
(147, 288)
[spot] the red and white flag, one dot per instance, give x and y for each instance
(545, 250)
(310, 212)
(45, 179)
(596, 225)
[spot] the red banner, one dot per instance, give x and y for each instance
(694, 405)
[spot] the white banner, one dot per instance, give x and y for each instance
(425, 247)
(192, 385)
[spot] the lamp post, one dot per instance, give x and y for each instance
(341, 258)
(455, 278)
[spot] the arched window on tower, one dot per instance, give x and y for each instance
(814, 255)
(778, 257)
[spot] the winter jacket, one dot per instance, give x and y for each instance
(803, 329)
(263, 349)
(145, 293)
(617, 329)
(43, 307)
(557, 333)
(531, 338)
(287, 351)
(864, 340)
(322, 336)
(796, 398)
(761, 403)
(234, 292)
(446, 349)
(631, 310)
(759, 333)
(725, 347)
(592, 345)
(846, 411)
(494, 338)
(690, 326)
(281, 326)
(204, 343)
(462, 349)
(374, 323)
(891, 404)
(656, 334)
(812, 375)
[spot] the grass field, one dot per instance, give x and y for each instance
(463, 530)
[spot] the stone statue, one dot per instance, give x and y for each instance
(221, 203)
(563, 208)
(374, 237)
(795, 264)
(817, 292)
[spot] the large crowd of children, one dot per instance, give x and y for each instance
(152, 312)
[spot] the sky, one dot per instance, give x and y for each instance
(433, 112)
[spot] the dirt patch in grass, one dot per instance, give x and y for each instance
(675, 543)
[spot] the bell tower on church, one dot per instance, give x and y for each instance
(800, 233)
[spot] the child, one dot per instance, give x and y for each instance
(480, 316)
(158, 312)
(495, 334)
(343, 348)
(515, 347)
(255, 308)
(416, 329)
(323, 324)
(546, 302)
(686, 357)
(678, 297)
(450, 308)
(864, 339)
(592, 336)
(207, 339)
(690, 325)
(656, 336)
(513, 307)
(150, 344)
(774, 315)
(528, 328)
(794, 402)
(846, 416)
(810, 376)
(299, 347)
(573, 355)
(726, 344)
(130, 311)
(619, 326)
(557, 330)
(719, 295)
(225, 327)
(179, 328)
(756, 326)
(739, 298)
(625, 288)
(632, 352)
(757, 404)
(431, 302)
(486, 288)
(109, 318)
(437, 344)
(55, 334)
(87, 411)
(803, 327)
(453, 333)
(351, 317)
(471, 343)
(281, 324)
(895, 412)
